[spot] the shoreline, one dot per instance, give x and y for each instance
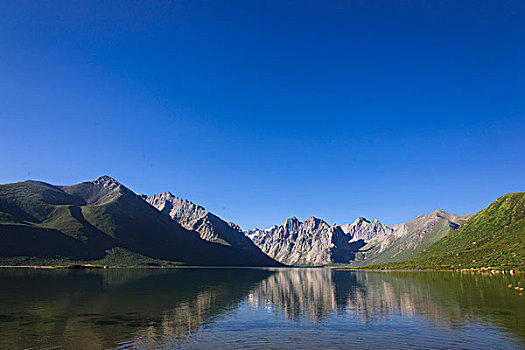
(105, 267)
(478, 270)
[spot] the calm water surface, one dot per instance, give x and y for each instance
(258, 308)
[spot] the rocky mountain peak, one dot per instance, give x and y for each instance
(443, 214)
(291, 221)
(360, 220)
(165, 195)
(106, 181)
(101, 190)
(436, 215)
(364, 230)
(312, 223)
(314, 220)
(234, 226)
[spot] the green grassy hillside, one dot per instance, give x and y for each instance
(494, 237)
(93, 220)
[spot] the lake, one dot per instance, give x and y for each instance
(236, 308)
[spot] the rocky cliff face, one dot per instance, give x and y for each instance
(362, 242)
(312, 242)
(365, 230)
(209, 226)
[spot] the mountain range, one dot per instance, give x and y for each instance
(101, 220)
(104, 222)
(363, 242)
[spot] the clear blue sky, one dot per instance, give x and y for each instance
(265, 110)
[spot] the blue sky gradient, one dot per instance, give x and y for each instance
(265, 110)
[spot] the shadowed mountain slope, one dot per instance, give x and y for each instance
(90, 220)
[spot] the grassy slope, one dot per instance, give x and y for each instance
(494, 237)
(114, 257)
(38, 219)
(40, 222)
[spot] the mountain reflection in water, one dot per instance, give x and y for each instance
(440, 297)
(256, 308)
(97, 309)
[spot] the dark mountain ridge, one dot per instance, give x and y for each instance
(90, 220)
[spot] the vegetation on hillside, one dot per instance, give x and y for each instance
(494, 238)
(99, 222)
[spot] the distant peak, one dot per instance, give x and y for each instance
(360, 220)
(166, 195)
(438, 212)
(443, 214)
(106, 180)
(234, 226)
(291, 220)
(316, 221)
